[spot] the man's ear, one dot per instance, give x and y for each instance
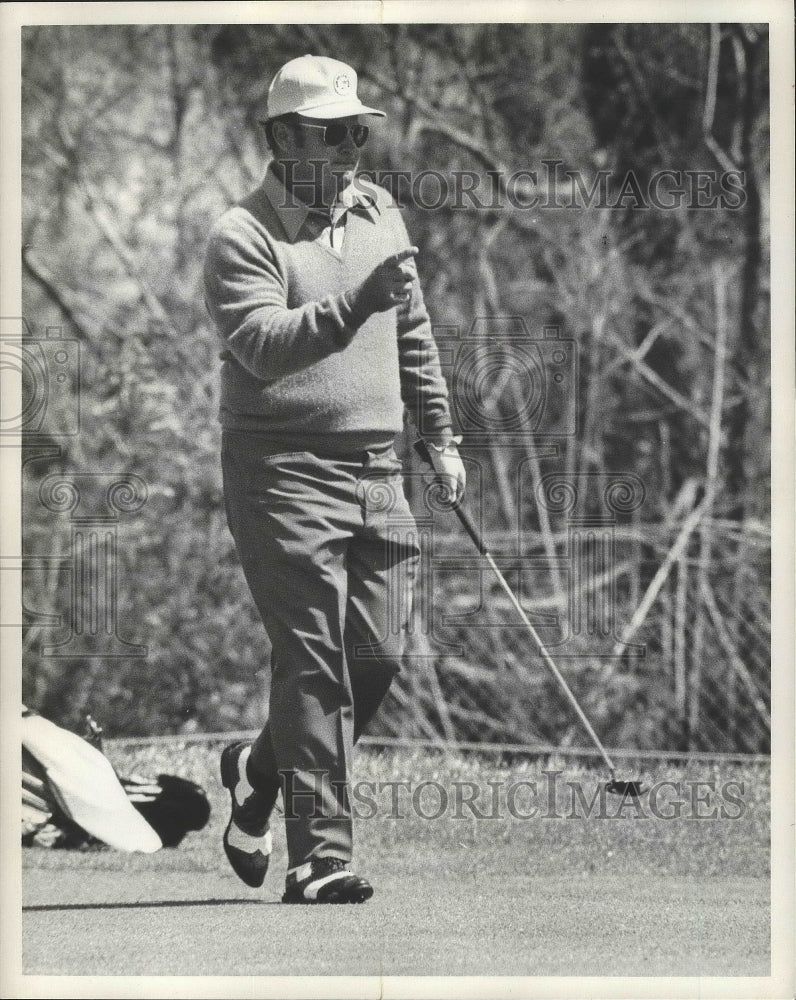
(281, 135)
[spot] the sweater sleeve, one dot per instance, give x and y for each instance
(246, 297)
(423, 388)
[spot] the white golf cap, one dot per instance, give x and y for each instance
(316, 87)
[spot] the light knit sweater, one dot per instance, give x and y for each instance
(297, 362)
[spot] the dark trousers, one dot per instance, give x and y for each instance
(329, 549)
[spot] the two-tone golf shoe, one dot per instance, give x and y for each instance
(247, 838)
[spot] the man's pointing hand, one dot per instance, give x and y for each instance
(387, 285)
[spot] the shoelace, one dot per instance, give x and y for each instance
(328, 865)
(249, 814)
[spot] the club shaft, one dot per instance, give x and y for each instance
(549, 660)
(472, 530)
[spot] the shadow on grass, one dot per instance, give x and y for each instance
(45, 907)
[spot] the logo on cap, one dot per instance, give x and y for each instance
(342, 83)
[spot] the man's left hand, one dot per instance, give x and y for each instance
(450, 471)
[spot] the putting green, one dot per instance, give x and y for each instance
(137, 917)
(585, 896)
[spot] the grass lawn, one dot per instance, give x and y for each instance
(567, 892)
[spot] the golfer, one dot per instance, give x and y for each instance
(312, 284)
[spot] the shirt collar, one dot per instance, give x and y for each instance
(292, 212)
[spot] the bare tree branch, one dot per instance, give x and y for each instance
(709, 111)
(99, 214)
(45, 280)
(711, 487)
(674, 553)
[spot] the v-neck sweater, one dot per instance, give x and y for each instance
(298, 364)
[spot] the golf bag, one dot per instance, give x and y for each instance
(72, 797)
(171, 805)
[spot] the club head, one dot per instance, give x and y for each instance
(627, 789)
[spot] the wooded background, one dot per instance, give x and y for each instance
(135, 138)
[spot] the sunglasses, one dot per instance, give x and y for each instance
(335, 133)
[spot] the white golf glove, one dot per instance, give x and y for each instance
(449, 468)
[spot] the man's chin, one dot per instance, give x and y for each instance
(344, 174)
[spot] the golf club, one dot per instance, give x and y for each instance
(631, 789)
